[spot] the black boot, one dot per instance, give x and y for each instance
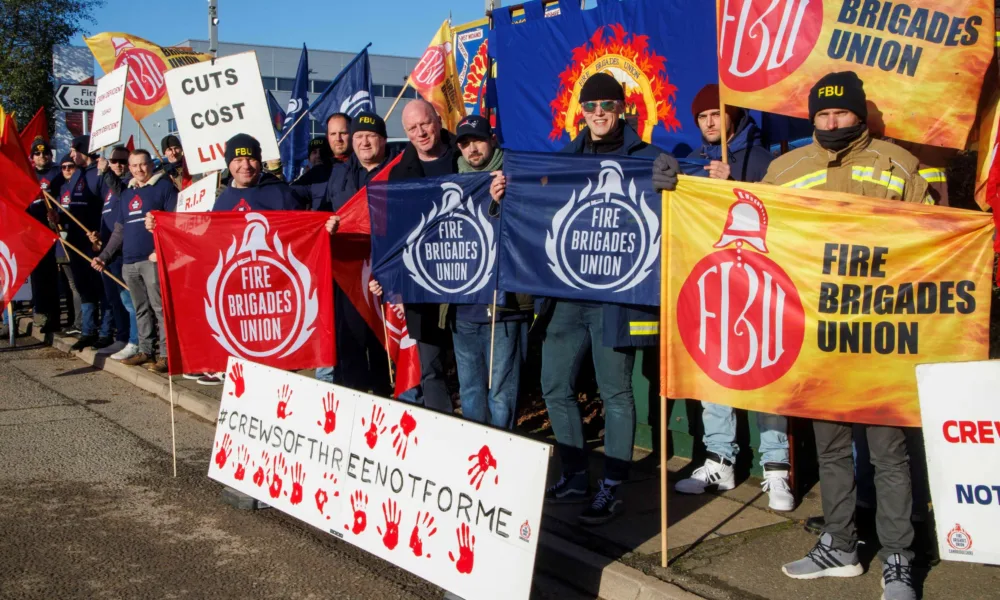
(103, 342)
(85, 341)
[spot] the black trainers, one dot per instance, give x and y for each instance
(570, 489)
(103, 342)
(604, 507)
(84, 342)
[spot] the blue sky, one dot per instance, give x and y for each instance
(396, 27)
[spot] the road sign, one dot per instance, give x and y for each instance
(76, 97)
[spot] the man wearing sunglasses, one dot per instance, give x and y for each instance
(45, 277)
(572, 329)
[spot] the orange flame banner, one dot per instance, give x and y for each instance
(922, 61)
(817, 304)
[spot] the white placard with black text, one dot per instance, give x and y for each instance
(214, 102)
(109, 107)
(960, 412)
(453, 502)
(200, 195)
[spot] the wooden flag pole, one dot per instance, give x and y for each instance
(493, 333)
(151, 143)
(173, 432)
(664, 352)
(406, 84)
(723, 130)
(11, 326)
(385, 333)
(287, 133)
(68, 214)
(88, 259)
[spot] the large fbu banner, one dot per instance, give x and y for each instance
(657, 49)
(454, 502)
(817, 304)
(922, 61)
(255, 285)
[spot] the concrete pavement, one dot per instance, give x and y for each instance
(91, 510)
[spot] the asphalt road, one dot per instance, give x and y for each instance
(89, 509)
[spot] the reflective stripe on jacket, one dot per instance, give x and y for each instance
(867, 167)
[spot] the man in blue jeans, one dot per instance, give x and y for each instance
(748, 161)
(496, 405)
(608, 332)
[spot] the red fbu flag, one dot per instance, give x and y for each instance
(254, 285)
(352, 271)
(23, 242)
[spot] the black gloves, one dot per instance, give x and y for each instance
(665, 170)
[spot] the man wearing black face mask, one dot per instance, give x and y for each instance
(845, 158)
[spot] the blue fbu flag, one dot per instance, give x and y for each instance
(661, 51)
(433, 239)
(581, 227)
(294, 148)
(349, 93)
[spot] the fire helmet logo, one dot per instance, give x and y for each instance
(649, 95)
(525, 532)
(605, 238)
(738, 313)
(359, 102)
(960, 539)
(456, 256)
(146, 84)
(8, 271)
(260, 300)
(765, 41)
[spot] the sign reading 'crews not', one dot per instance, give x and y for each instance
(214, 102)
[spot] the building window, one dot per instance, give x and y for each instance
(319, 86)
(171, 125)
(285, 84)
(269, 83)
(411, 93)
(391, 91)
(376, 89)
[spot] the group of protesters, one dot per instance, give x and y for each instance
(113, 200)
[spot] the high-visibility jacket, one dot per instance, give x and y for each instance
(867, 167)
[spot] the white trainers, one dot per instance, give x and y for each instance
(113, 348)
(125, 353)
(212, 378)
(775, 484)
(717, 472)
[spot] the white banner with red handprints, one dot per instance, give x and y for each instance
(451, 501)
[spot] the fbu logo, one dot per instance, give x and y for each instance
(738, 313)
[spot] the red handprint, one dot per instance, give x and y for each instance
(330, 408)
(322, 497)
(425, 526)
(466, 549)
(239, 384)
(298, 476)
(284, 397)
(225, 449)
(392, 516)
(359, 502)
(273, 478)
(402, 440)
(258, 476)
(483, 461)
(242, 460)
(371, 436)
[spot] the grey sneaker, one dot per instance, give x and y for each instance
(897, 579)
(825, 561)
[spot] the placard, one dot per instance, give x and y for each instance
(109, 109)
(212, 102)
(456, 503)
(961, 422)
(199, 196)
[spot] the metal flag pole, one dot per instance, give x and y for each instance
(664, 353)
(11, 326)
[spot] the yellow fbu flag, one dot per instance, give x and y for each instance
(817, 304)
(146, 91)
(436, 78)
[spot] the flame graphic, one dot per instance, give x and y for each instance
(657, 91)
(474, 79)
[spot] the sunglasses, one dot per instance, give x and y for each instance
(606, 106)
(39, 153)
(118, 161)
